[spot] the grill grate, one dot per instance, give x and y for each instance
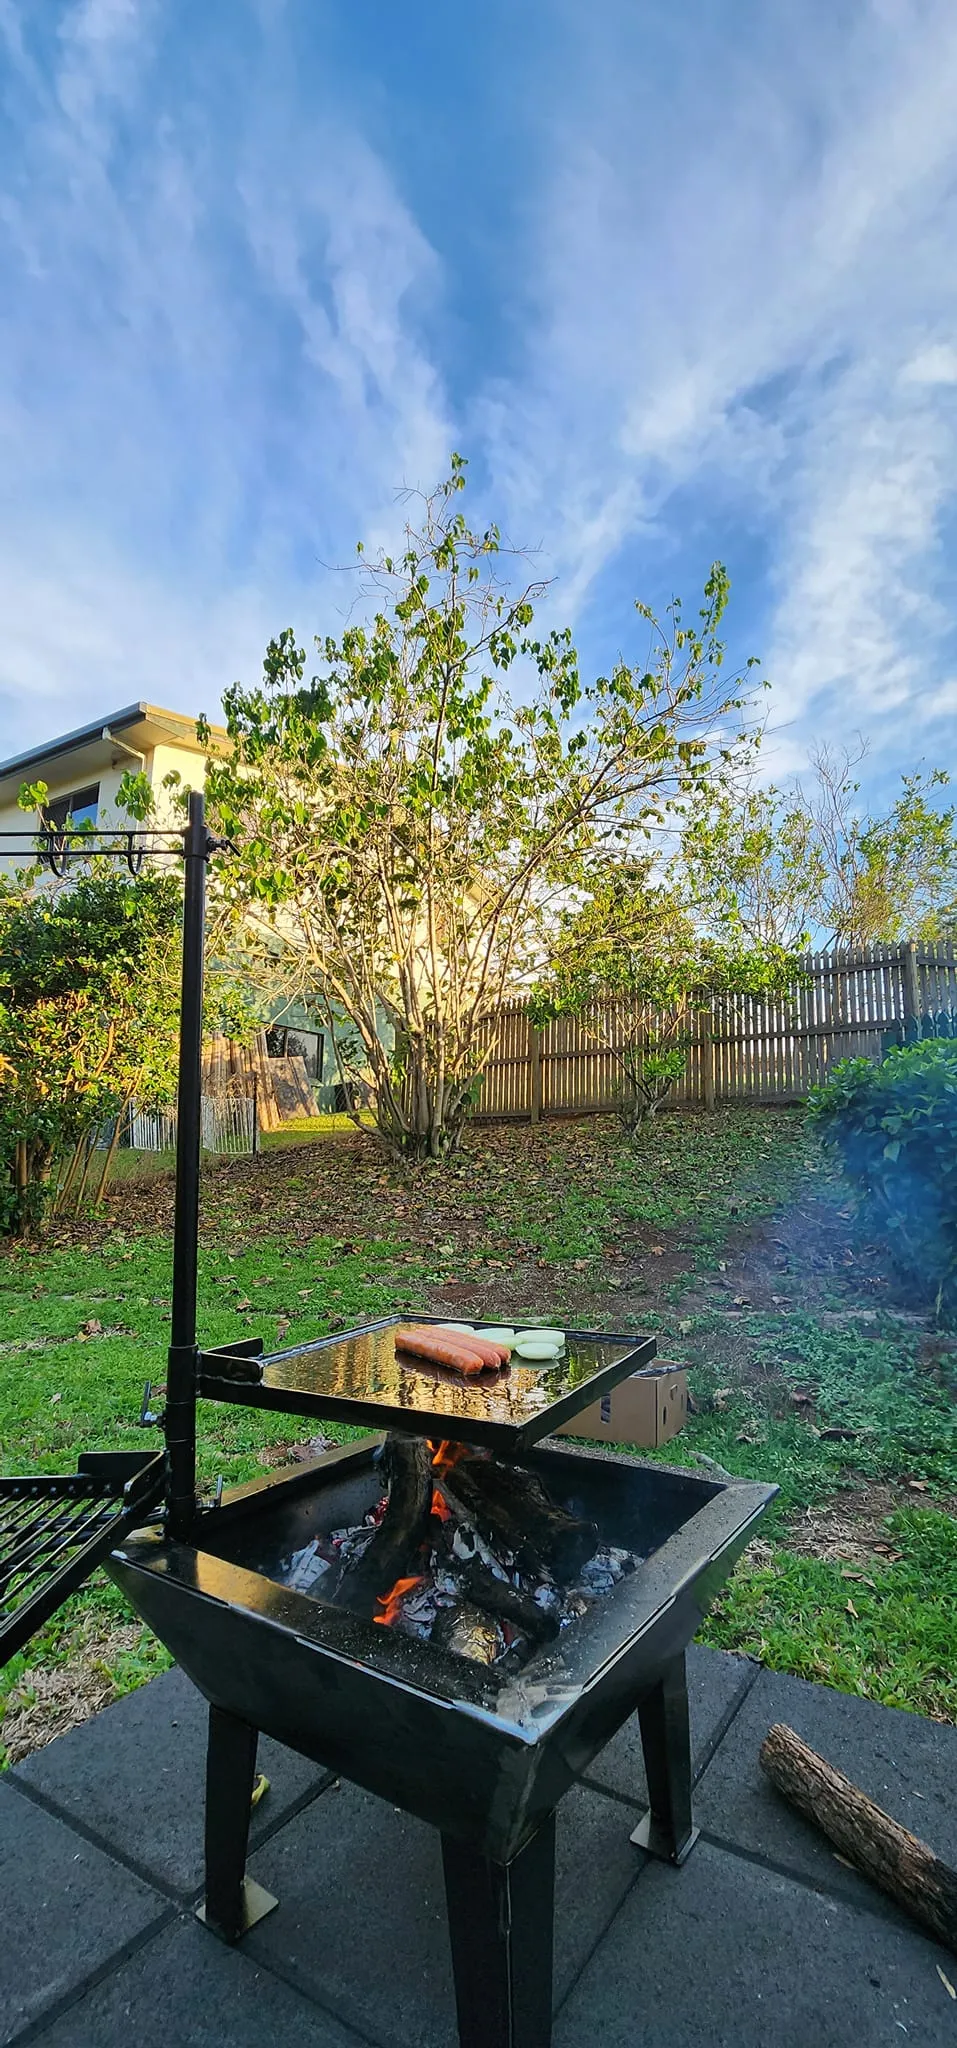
(55, 1528)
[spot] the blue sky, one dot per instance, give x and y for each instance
(681, 281)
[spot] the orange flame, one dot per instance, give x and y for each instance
(391, 1602)
(439, 1506)
(446, 1454)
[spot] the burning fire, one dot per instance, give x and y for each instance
(439, 1506)
(445, 1455)
(390, 1603)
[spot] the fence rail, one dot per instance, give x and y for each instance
(741, 1049)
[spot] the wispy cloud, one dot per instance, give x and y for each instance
(717, 316)
(213, 367)
(746, 290)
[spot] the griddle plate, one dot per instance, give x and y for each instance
(359, 1377)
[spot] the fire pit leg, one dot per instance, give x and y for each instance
(234, 1902)
(500, 1927)
(667, 1829)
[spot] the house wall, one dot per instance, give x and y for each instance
(64, 775)
(295, 1016)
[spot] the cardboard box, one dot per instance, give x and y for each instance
(646, 1410)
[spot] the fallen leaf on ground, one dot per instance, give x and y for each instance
(851, 1609)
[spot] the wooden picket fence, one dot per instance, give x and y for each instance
(742, 1049)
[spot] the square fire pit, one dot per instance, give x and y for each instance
(484, 1758)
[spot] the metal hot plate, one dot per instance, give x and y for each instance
(359, 1376)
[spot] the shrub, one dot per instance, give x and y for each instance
(894, 1129)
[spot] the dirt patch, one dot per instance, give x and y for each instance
(852, 1527)
(53, 1698)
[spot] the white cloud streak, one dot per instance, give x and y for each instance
(732, 277)
(789, 215)
(212, 366)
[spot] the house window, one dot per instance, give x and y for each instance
(281, 1043)
(79, 808)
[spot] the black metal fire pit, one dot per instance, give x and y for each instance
(483, 1751)
(485, 1765)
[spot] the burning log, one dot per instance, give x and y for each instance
(508, 1603)
(886, 1852)
(511, 1508)
(401, 1530)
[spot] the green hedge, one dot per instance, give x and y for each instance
(894, 1129)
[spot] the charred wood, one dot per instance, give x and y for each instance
(507, 1602)
(510, 1507)
(386, 1558)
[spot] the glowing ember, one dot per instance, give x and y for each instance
(439, 1506)
(391, 1603)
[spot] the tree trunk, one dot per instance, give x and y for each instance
(111, 1151)
(84, 1177)
(880, 1847)
(68, 1178)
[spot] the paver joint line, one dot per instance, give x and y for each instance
(106, 1847)
(36, 2028)
(882, 1908)
(642, 1861)
(730, 1715)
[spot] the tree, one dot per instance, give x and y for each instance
(630, 961)
(407, 830)
(753, 865)
(889, 877)
(765, 865)
(88, 1018)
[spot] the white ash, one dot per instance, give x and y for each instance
(305, 1567)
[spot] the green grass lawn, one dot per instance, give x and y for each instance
(679, 1233)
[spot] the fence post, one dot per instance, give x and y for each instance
(911, 982)
(707, 1057)
(535, 1064)
(255, 1114)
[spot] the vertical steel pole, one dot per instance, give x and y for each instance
(181, 1374)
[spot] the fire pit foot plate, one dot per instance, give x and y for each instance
(656, 1838)
(256, 1902)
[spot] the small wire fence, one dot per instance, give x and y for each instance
(228, 1125)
